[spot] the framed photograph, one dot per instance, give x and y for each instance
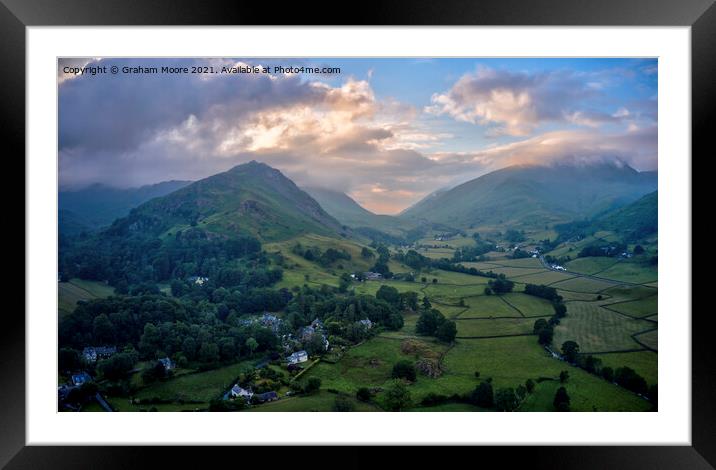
(438, 225)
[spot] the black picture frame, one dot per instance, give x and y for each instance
(700, 15)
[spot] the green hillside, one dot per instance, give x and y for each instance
(533, 196)
(349, 212)
(252, 199)
(633, 221)
(98, 205)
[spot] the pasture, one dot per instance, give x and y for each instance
(495, 327)
(488, 306)
(200, 386)
(645, 363)
(545, 277)
(637, 308)
(597, 329)
(590, 265)
(583, 284)
(529, 305)
(74, 290)
(636, 272)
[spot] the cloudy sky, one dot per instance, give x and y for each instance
(385, 131)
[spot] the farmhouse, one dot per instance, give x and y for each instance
(366, 322)
(92, 354)
(270, 321)
(299, 356)
(167, 363)
(371, 276)
(306, 333)
(80, 379)
(236, 391)
(198, 280)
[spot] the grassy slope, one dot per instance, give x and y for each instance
(69, 293)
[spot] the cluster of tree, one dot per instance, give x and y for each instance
(514, 236)
(324, 258)
(504, 399)
(378, 237)
(544, 329)
(432, 322)
(545, 292)
(624, 376)
(602, 249)
(127, 257)
(340, 312)
(520, 253)
(381, 264)
(472, 253)
(499, 285)
(413, 259)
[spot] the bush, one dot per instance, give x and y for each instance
(312, 385)
(506, 400)
(561, 400)
(483, 395)
(363, 394)
(404, 370)
(343, 404)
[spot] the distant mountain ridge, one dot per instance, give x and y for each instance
(99, 205)
(347, 211)
(535, 195)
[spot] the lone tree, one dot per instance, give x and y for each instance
(561, 400)
(404, 370)
(506, 400)
(312, 386)
(446, 331)
(546, 335)
(483, 395)
(397, 396)
(363, 394)
(570, 351)
(563, 376)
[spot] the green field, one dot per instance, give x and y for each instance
(583, 284)
(496, 326)
(521, 263)
(517, 272)
(488, 306)
(69, 293)
(546, 277)
(631, 272)
(586, 394)
(637, 308)
(200, 386)
(590, 265)
(321, 401)
(597, 329)
(645, 363)
(497, 358)
(627, 293)
(451, 294)
(529, 305)
(650, 339)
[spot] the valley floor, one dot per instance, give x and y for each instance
(611, 315)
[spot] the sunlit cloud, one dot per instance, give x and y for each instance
(339, 132)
